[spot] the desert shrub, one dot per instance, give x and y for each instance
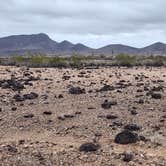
(38, 61)
(156, 61)
(57, 62)
(76, 61)
(18, 59)
(125, 60)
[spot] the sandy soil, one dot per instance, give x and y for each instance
(49, 129)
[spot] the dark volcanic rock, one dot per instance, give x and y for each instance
(61, 118)
(11, 149)
(66, 77)
(108, 104)
(157, 89)
(47, 113)
(12, 84)
(69, 116)
(28, 116)
(30, 96)
(76, 90)
(133, 112)
(126, 137)
(156, 95)
(106, 88)
(111, 116)
(14, 108)
(60, 96)
(127, 157)
(18, 98)
(89, 147)
(141, 101)
(132, 127)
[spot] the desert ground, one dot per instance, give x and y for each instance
(82, 117)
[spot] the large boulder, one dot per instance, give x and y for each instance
(126, 137)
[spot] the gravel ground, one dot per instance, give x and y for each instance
(71, 117)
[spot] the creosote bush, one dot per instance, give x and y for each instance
(79, 61)
(125, 60)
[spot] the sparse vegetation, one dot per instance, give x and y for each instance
(78, 61)
(126, 60)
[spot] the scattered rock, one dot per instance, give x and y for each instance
(76, 90)
(134, 112)
(13, 84)
(106, 88)
(61, 118)
(30, 96)
(18, 98)
(89, 147)
(141, 101)
(111, 116)
(127, 157)
(60, 96)
(28, 116)
(47, 113)
(68, 116)
(126, 137)
(156, 95)
(108, 104)
(65, 77)
(11, 149)
(14, 108)
(132, 127)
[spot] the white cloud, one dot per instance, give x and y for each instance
(93, 22)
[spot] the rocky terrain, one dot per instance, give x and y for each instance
(86, 117)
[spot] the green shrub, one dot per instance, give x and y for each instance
(37, 60)
(125, 60)
(19, 59)
(76, 61)
(57, 62)
(156, 61)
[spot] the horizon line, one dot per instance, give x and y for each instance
(65, 40)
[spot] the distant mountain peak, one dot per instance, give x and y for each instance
(65, 42)
(80, 45)
(159, 43)
(41, 36)
(156, 45)
(42, 43)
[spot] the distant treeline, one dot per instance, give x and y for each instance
(79, 61)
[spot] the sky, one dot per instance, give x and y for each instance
(92, 22)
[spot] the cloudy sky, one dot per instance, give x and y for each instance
(93, 22)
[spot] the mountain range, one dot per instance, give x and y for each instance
(42, 43)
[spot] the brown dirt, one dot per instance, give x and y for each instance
(49, 140)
